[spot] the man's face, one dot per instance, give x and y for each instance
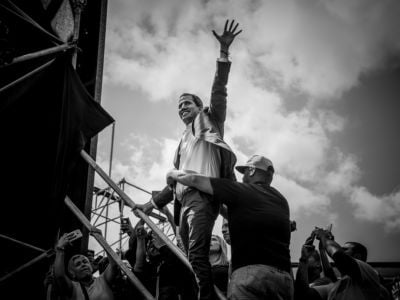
(187, 109)
(81, 267)
(247, 175)
(225, 233)
(348, 249)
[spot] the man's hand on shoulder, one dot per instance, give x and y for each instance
(174, 175)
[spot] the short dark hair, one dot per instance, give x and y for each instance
(195, 98)
(359, 251)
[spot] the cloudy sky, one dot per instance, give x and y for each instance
(314, 86)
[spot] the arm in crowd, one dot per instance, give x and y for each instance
(111, 271)
(346, 264)
(140, 249)
(62, 280)
(302, 289)
(326, 266)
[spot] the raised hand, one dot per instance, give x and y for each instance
(157, 241)
(140, 232)
(126, 227)
(229, 34)
(310, 239)
(323, 234)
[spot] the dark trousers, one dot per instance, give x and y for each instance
(197, 219)
(220, 277)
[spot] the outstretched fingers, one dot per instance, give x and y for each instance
(215, 34)
(230, 27)
(237, 33)
(234, 28)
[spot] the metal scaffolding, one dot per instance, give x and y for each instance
(108, 209)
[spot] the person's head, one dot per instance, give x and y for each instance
(215, 244)
(218, 250)
(356, 250)
(225, 231)
(314, 267)
(257, 169)
(189, 106)
(93, 262)
(90, 255)
(152, 250)
(79, 267)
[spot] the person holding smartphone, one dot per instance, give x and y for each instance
(81, 284)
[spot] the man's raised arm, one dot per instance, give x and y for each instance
(218, 91)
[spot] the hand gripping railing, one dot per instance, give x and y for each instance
(128, 201)
(101, 240)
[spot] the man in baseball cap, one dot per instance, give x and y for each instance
(257, 161)
(259, 227)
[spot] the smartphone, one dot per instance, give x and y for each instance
(74, 235)
(125, 221)
(329, 228)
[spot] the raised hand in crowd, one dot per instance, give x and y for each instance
(126, 227)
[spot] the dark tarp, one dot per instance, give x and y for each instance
(45, 121)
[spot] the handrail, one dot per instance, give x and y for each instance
(128, 201)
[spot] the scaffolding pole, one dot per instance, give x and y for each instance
(40, 53)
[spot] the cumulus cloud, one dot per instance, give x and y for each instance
(381, 209)
(319, 48)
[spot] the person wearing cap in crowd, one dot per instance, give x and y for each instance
(202, 150)
(259, 227)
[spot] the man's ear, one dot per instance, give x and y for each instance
(252, 171)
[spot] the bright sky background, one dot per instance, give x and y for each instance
(314, 86)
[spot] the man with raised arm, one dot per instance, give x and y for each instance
(202, 150)
(358, 279)
(259, 227)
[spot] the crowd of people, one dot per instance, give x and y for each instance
(256, 226)
(166, 277)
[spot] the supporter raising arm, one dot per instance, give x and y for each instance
(358, 279)
(80, 270)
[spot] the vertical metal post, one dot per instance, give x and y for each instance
(78, 6)
(111, 149)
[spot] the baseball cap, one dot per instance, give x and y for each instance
(258, 162)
